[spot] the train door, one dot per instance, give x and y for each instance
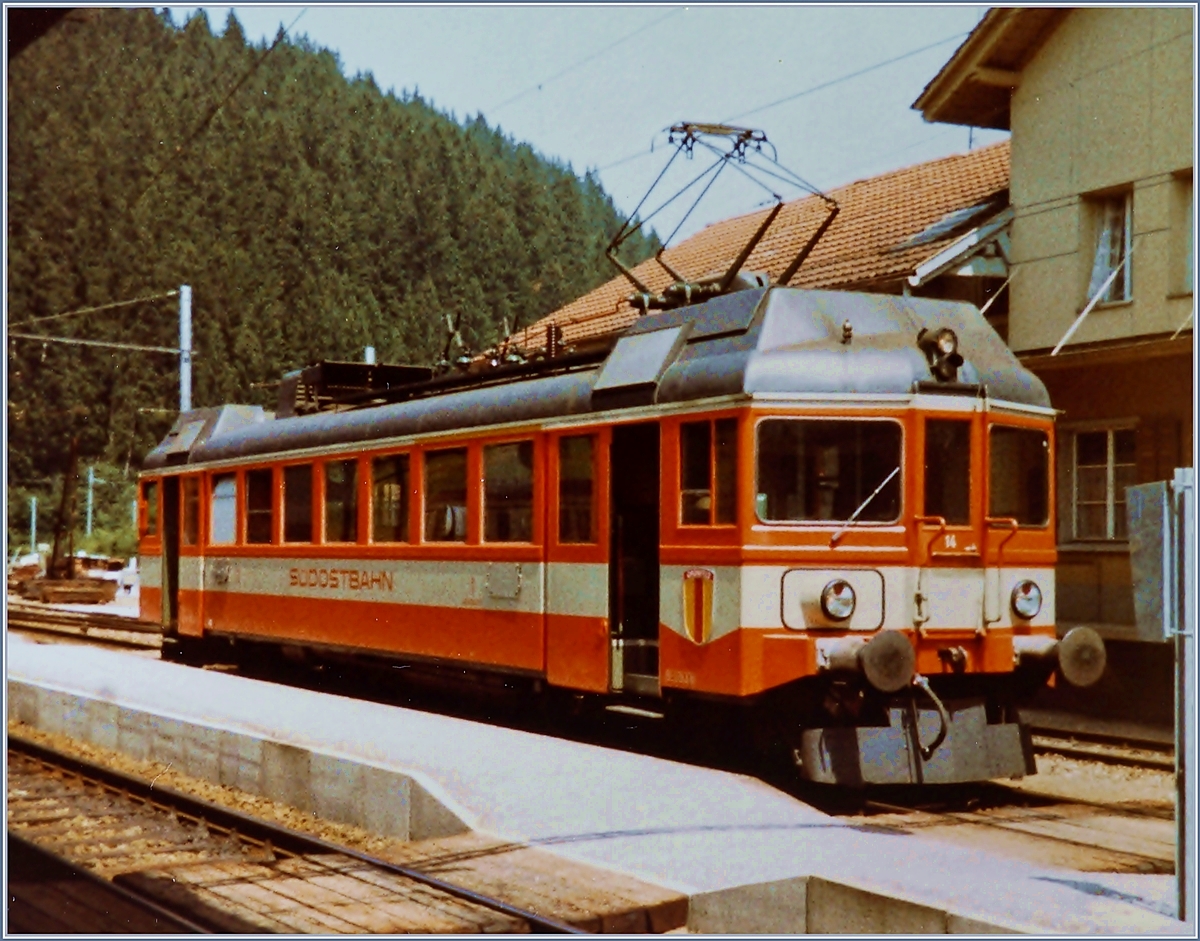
(170, 553)
(633, 558)
(950, 583)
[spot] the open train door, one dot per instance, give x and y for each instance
(170, 555)
(633, 559)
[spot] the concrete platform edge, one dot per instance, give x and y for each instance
(825, 906)
(329, 785)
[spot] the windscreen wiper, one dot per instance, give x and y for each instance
(862, 506)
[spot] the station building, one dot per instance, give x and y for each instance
(1100, 105)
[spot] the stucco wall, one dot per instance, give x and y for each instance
(1106, 104)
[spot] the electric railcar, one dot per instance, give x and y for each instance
(835, 509)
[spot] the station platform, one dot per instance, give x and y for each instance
(749, 858)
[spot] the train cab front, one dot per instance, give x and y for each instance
(917, 542)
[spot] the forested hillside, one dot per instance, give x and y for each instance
(312, 215)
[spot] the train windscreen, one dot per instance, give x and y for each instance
(828, 470)
(1019, 475)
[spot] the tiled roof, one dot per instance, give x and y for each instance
(858, 250)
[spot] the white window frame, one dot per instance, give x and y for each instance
(1189, 235)
(1110, 497)
(1111, 249)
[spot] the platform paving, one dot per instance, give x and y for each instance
(750, 858)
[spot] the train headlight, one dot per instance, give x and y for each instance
(1026, 599)
(946, 341)
(837, 600)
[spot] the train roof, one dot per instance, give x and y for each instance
(763, 340)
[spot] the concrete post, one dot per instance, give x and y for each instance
(33, 524)
(185, 348)
(1182, 567)
(91, 487)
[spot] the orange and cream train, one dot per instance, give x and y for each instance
(835, 509)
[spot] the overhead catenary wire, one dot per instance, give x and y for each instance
(800, 94)
(92, 310)
(847, 77)
(595, 55)
(213, 111)
(75, 341)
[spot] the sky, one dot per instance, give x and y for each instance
(596, 86)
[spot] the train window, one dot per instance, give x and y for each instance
(446, 495)
(191, 511)
(222, 525)
(948, 469)
(1019, 475)
(389, 498)
(341, 501)
(150, 497)
(576, 485)
(297, 503)
(260, 520)
(695, 472)
(703, 448)
(508, 492)
(818, 469)
(725, 445)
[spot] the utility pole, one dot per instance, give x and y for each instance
(185, 348)
(92, 481)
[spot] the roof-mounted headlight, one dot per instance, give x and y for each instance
(941, 350)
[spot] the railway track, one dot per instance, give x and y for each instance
(1087, 836)
(1108, 749)
(93, 627)
(219, 870)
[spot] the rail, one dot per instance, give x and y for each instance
(264, 834)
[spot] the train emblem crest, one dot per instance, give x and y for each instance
(697, 604)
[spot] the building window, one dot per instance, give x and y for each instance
(222, 525)
(260, 519)
(1114, 234)
(1183, 241)
(1105, 464)
(389, 498)
(297, 503)
(1189, 236)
